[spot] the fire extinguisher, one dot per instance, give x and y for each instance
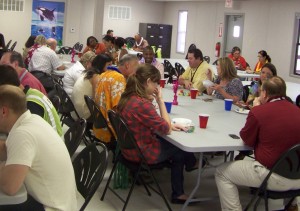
(217, 50)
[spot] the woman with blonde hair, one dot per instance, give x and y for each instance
(136, 107)
(227, 85)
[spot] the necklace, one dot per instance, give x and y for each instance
(193, 73)
(140, 42)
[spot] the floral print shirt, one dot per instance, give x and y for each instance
(110, 86)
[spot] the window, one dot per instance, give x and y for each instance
(12, 5)
(297, 47)
(236, 31)
(119, 12)
(181, 31)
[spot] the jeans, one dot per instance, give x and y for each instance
(178, 159)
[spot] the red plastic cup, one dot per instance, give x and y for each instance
(162, 83)
(79, 55)
(193, 93)
(203, 118)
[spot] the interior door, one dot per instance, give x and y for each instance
(234, 28)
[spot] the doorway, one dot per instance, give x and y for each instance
(234, 29)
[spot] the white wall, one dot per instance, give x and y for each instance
(269, 25)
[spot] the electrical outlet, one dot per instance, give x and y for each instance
(72, 30)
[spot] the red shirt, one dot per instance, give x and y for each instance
(143, 120)
(99, 48)
(271, 129)
(238, 61)
(26, 78)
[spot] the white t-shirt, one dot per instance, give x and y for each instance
(50, 180)
(82, 87)
(71, 76)
(44, 59)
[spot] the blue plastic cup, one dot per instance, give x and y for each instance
(168, 106)
(228, 104)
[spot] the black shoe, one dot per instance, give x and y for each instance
(178, 201)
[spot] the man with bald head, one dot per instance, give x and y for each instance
(34, 155)
(52, 43)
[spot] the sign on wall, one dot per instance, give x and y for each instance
(48, 19)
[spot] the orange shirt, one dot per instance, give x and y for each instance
(111, 85)
(99, 48)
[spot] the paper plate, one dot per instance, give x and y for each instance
(182, 121)
(207, 83)
(241, 111)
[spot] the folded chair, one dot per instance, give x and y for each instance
(288, 166)
(127, 141)
(170, 70)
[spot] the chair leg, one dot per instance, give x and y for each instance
(256, 203)
(145, 186)
(289, 203)
(109, 179)
(159, 190)
(266, 204)
(131, 188)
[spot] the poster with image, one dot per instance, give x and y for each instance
(48, 19)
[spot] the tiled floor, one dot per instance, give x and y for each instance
(141, 201)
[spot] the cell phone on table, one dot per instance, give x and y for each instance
(234, 136)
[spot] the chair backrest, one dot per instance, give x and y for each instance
(65, 50)
(74, 135)
(170, 70)
(66, 105)
(125, 137)
(130, 41)
(179, 69)
(246, 92)
(8, 44)
(76, 47)
(215, 62)
(288, 165)
(207, 59)
(139, 56)
(45, 79)
(298, 101)
(80, 47)
(13, 46)
(89, 168)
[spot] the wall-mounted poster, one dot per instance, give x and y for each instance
(48, 19)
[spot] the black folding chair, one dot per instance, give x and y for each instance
(126, 141)
(65, 50)
(89, 168)
(192, 46)
(13, 46)
(288, 166)
(179, 69)
(170, 70)
(8, 44)
(74, 135)
(298, 101)
(99, 122)
(207, 59)
(66, 107)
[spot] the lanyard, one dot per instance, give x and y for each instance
(193, 74)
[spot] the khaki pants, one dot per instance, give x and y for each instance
(246, 173)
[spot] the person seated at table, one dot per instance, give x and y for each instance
(136, 108)
(15, 60)
(227, 85)
(268, 71)
(2, 45)
(37, 102)
(74, 72)
(239, 61)
(149, 58)
(195, 74)
(93, 45)
(86, 81)
(271, 129)
(120, 49)
(34, 155)
(29, 43)
(110, 32)
(109, 87)
(140, 42)
(108, 41)
(43, 58)
(52, 43)
(263, 58)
